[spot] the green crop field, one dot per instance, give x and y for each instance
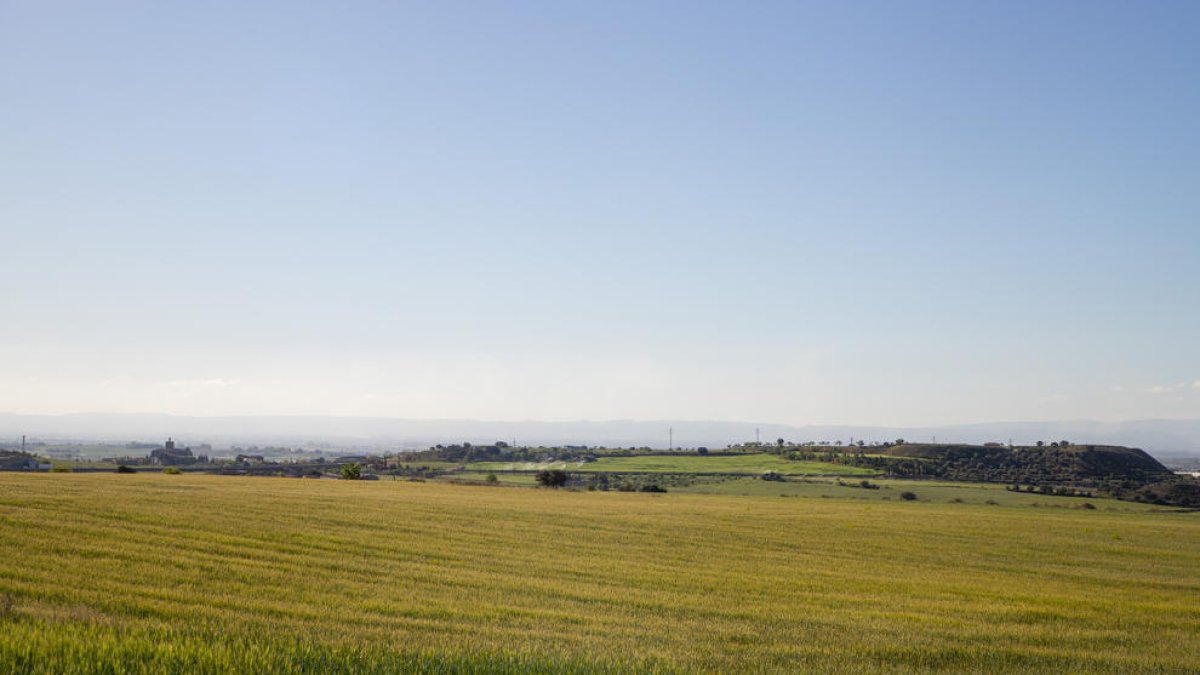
(890, 489)
(748, 463)
(150, 572)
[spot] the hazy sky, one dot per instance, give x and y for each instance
(799, 212)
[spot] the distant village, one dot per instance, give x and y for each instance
(171, 455)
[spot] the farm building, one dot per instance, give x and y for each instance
(22, 463)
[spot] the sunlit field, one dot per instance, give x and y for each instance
(192, 573)
(750, 463)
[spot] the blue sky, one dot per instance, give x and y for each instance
(870, 213)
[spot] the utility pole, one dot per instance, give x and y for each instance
(22, 443)
(671, 439)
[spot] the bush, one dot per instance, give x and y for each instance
(126, 469)
(553, 478)
(653, 487)
(174, 471)
(908, 496)
(351, 471)
(491, 478)
(772, 475)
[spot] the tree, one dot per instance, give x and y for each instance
(351, 471)
(553, 478)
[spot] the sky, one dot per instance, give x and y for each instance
(892, 213)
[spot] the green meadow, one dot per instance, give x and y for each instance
(851, 488)
(749, 463)
(110, 573)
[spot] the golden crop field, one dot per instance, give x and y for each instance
(158, 573)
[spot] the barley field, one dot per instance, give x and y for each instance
(106, 573)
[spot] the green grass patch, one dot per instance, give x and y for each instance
(890, 489)
(755, 463)
(522, 479)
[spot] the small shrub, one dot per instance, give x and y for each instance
(1088, 506)
(653, 487)
(351, 471)
(126, 469)
(908, 496)
(174, 471)
(60, 468)
(772, 475)
(491, 478)
(868, 485)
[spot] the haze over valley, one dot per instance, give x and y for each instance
(1162, 438)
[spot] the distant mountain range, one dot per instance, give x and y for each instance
(1162, 438)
